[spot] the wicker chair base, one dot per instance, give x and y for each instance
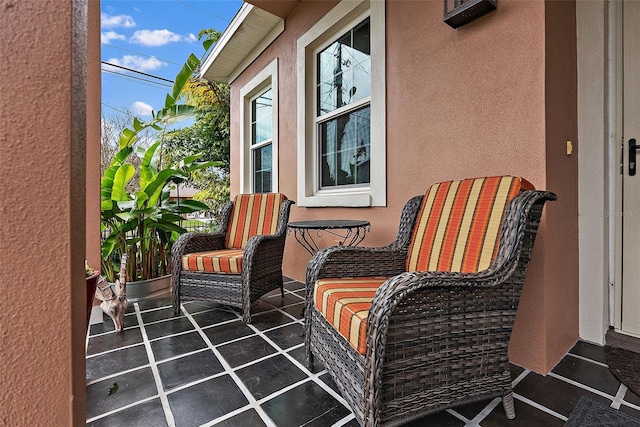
(226, 289)
(410, 394)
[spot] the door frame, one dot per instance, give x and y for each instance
(599, 179)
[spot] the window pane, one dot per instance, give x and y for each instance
(262, 166)
(345, 149)
(344, 70)
(261, 118)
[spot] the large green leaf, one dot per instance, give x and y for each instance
(207, 44)
(128, 137)
(141, 198)
(187, 70)
(147, 168)
(138, 125)
(190, 159)
(202, 165)
(167, 226)
(106, 183)
(108, 245)
(175, 113)
(122, 177)
(187, 206)
(156, 184)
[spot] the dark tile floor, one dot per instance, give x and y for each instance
(206, 367)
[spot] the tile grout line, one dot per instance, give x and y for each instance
(314, 377)
(310, 376)
(619, 397)
(227, 367)
(580, 385)
(586, 359)
(117, 374)
(154, 369)
(121, 408)
(475, 422)
(539, 406)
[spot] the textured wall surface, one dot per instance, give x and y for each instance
(497, 96)
(42, 214)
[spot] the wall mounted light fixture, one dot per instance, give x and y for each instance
(460, 12)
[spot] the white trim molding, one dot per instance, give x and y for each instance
(267, 78)
(339, 20)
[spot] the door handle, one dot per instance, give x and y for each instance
(633, 147)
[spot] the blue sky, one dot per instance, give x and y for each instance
(154, 37)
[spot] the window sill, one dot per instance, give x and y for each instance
(358, 200)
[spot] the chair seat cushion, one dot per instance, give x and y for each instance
(345, 304)
(221, 261)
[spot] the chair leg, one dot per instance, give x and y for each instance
(509, 409)
(282, 289)
(310, 361)
(176, 306)
(246, 313)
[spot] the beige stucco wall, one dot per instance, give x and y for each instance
(42, 225)
(494, 97)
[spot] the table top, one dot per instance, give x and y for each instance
(326, 224)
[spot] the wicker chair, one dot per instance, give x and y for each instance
(238, 264)
(412, 341)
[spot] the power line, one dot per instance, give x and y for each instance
(204, 11)
(114, 108)
(136, 71)
(135, 78)
(139, 53)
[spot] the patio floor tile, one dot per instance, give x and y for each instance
(212, 369)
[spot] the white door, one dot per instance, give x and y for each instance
(628, 300)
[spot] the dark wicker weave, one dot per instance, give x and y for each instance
(434, 339)
(261, 267)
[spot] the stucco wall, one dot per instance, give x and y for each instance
(460, 103)
(42, 215)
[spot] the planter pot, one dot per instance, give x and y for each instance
(92, 281)
(160, 287)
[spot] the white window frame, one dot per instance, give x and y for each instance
(265, 79)
(342, 18)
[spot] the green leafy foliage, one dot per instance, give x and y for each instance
(209, 134)
(145, 222)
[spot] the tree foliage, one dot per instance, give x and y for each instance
(209, 134)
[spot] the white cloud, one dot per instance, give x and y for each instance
(159, 37)
(113, 21)
(140, 108)
(137, 62)
(111, 35)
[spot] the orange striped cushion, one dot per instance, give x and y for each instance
(345, 304)
(253, 214)
(223, 261)
(458, 227)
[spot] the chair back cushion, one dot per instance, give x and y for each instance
(345, 304)
(253, 214)
(458, 226)
(222, 261)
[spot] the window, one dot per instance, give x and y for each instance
(341, 108)
(343, 116)
(261, 139)
(259, 132)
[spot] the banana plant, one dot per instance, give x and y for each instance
(145, 223)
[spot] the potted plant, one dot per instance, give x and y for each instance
(91, 276)
(143, 223)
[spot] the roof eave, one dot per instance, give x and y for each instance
(250, 32)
